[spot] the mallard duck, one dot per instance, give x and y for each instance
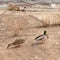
(23, 9)
(17, 42)
(42, 37)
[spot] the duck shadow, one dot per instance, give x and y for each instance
(15, 47)
(37, 43)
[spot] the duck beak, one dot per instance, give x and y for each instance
(8, 45)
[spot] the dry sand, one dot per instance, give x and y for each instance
(30, 50)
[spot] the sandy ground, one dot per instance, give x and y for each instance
(30, 50)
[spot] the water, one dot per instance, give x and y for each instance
(3, 6)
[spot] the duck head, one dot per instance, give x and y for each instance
(24, 7)
(45, 32)
(22, 41)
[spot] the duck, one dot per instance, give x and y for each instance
(17, 42)
(23, 9)
(42, 37)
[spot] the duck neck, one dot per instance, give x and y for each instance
(47, 35)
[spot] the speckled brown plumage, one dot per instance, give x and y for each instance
(17, 42)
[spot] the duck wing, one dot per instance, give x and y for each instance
(42, 37)
(16, 42)
(38, 37)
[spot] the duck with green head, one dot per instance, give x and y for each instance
(42, 37)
